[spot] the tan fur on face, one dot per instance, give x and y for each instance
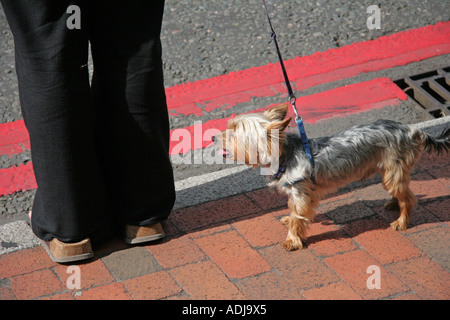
(240, 137)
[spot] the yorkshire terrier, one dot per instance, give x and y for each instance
(386, 147)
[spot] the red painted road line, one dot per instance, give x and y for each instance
(14, 138)
(16, 179)
(305, 72)
(354, 98)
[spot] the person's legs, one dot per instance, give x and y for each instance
(132, 126)
(51, 62)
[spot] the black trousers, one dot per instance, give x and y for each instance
(99, 152)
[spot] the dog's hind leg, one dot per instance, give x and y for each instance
(406, 201)
(396, 180)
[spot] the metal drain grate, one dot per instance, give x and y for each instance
(430, 89)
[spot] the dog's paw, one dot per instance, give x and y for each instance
(399, 225)
(291, 245)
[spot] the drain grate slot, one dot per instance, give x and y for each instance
(424, 75)
(431, 90)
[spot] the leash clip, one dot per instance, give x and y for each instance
(273, 35)
(292, 100)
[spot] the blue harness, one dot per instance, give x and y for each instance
(305, 142)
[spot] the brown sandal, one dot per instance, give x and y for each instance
(62, 252)
(137, 234)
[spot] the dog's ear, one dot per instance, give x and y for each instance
(277, 113)
(278, 125)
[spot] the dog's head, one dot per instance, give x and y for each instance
(254, 139)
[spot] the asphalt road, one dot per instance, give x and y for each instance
(207, 38)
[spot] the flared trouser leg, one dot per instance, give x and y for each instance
(133, 124)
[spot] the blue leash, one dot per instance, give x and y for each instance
(292, 100)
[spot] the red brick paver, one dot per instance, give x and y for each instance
(204, 280)
(427, 278)
(25, 261)
(353, 268)
(332, 291)
(270, 231)
(36, 284)
(233, 254)
(301, 268)
(202, 216)
(327, 239)
(177, 252)
(384, 244)
(268, 286)
(113, 291)
(156, 285)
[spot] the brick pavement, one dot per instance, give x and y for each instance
(229, 249)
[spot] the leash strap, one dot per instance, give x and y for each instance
(292, 98)
(273, 35)
(306, 146)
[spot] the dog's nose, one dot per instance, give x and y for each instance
(213, 138)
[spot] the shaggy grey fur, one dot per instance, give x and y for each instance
(337, 157)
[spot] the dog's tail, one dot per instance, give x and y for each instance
(436, 144)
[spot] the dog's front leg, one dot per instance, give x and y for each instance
(298, 221)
